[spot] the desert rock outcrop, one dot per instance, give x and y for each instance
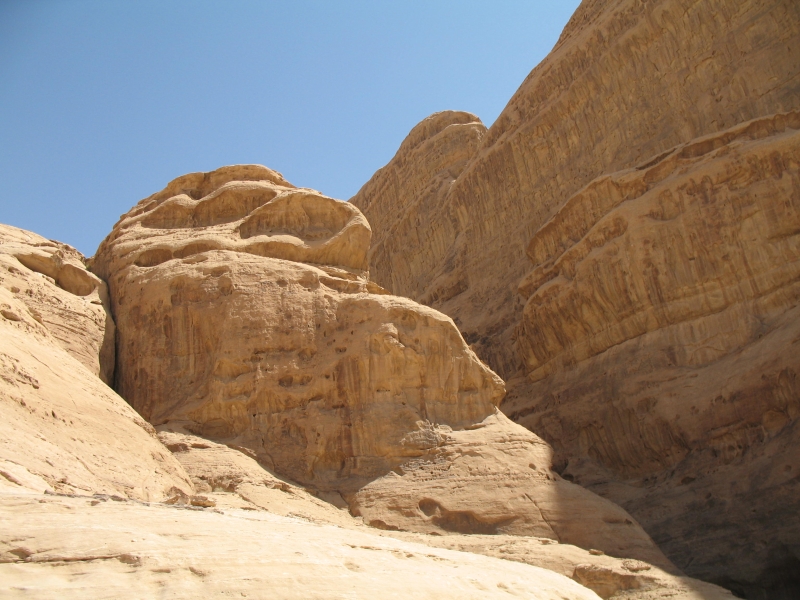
(661, 337)
(363, 396)
(665, 378)
(62, 430)
(62, 295)
(133, 550)
(626, 81)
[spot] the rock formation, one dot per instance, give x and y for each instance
(648, 169)
(94, 504)
(132, 550)
(626, 81)
(62, 429)
(367, 397)
(676, 287)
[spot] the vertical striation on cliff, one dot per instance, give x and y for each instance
(622, 247)
(627, 81)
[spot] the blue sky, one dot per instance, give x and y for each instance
(102, 103)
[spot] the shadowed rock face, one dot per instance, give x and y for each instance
(660, 338)
(323, 376)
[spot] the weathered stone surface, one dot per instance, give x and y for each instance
(61, 428)
(251, 525)
(89, 547)
(50, 279)
(634, 97)
(661, 337)
(246, 208)
(627, 81)
(328, 388)
(608, 577)
(408, 198)
(328, 384)
(495, 478)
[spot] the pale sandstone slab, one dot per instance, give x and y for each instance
(51, 280)
(99, 548)
(610, 578)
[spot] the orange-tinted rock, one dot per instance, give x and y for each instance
(622, 341)
(325, 382)
(627, 81)
(660, 337)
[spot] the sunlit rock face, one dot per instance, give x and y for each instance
(244, 309)
(51, 280)
(245, 315)
(63, 430)
(639, 192)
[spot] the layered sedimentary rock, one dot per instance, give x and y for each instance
(363, 396)
(62, 430)
(660, 337)
(671, 361)
(326, 381)
(408, 198)
(626, 81)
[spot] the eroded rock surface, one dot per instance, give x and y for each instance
(654, 347)
(52, 282)
(247, 529)
(627, 81)
(326, 383)
(134, 550)
(661, 342)
(61, 428)
(495, 478)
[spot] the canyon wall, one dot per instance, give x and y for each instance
(245, 315)
(622, 246)
(626, 81)
(95, 503)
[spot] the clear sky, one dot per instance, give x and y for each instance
(103, 102)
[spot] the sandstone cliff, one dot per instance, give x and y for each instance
(627, 81)
(660, 337)
(369, 398)
(651, 346)
(93, 504)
